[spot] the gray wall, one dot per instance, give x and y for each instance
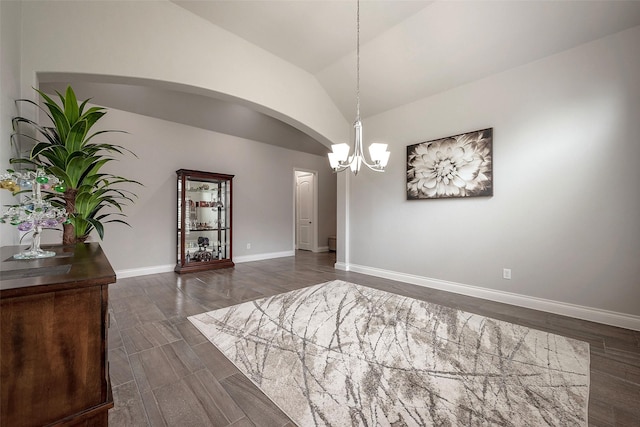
(564, 215)
(10, 16)
(263, 202)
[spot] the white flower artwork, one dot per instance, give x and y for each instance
(456, 166)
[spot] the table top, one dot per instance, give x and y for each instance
(73, 266)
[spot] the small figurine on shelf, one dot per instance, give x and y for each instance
(34, 213)
(202, 254)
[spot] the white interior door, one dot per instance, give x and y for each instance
(304, 211)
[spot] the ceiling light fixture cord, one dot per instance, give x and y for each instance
(358, 62)
(339, 158)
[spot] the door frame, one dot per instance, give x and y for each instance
(314, 210)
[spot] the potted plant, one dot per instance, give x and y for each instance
(66, 150)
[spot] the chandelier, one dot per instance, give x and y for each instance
(339, 158)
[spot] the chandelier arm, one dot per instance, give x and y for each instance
(341, 167)
(372, 166)
(347, 164)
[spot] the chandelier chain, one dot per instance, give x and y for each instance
(358, 61)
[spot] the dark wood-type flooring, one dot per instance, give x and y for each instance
(165, 373)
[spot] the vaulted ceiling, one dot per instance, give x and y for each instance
(413, 49)
(409, 49)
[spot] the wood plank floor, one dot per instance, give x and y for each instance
(165, 373)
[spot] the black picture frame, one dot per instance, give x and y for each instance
(457, 166)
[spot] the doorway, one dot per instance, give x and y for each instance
(306, 227)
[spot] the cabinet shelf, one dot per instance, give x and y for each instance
(204, 229)
(204, 247)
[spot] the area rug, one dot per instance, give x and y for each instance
(340, 354)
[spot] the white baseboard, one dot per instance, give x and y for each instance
(612, 318)
(133, 272)
(344, 267)
(322, 249)
(143, 271)
(260, 257)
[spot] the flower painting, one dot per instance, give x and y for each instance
(456, 166)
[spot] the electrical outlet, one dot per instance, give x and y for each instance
(248, 245)
(506, 273)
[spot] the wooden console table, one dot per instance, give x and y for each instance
(53, 338)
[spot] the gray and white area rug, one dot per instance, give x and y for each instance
(340, 354)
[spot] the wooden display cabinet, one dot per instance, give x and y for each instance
(204, 221)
